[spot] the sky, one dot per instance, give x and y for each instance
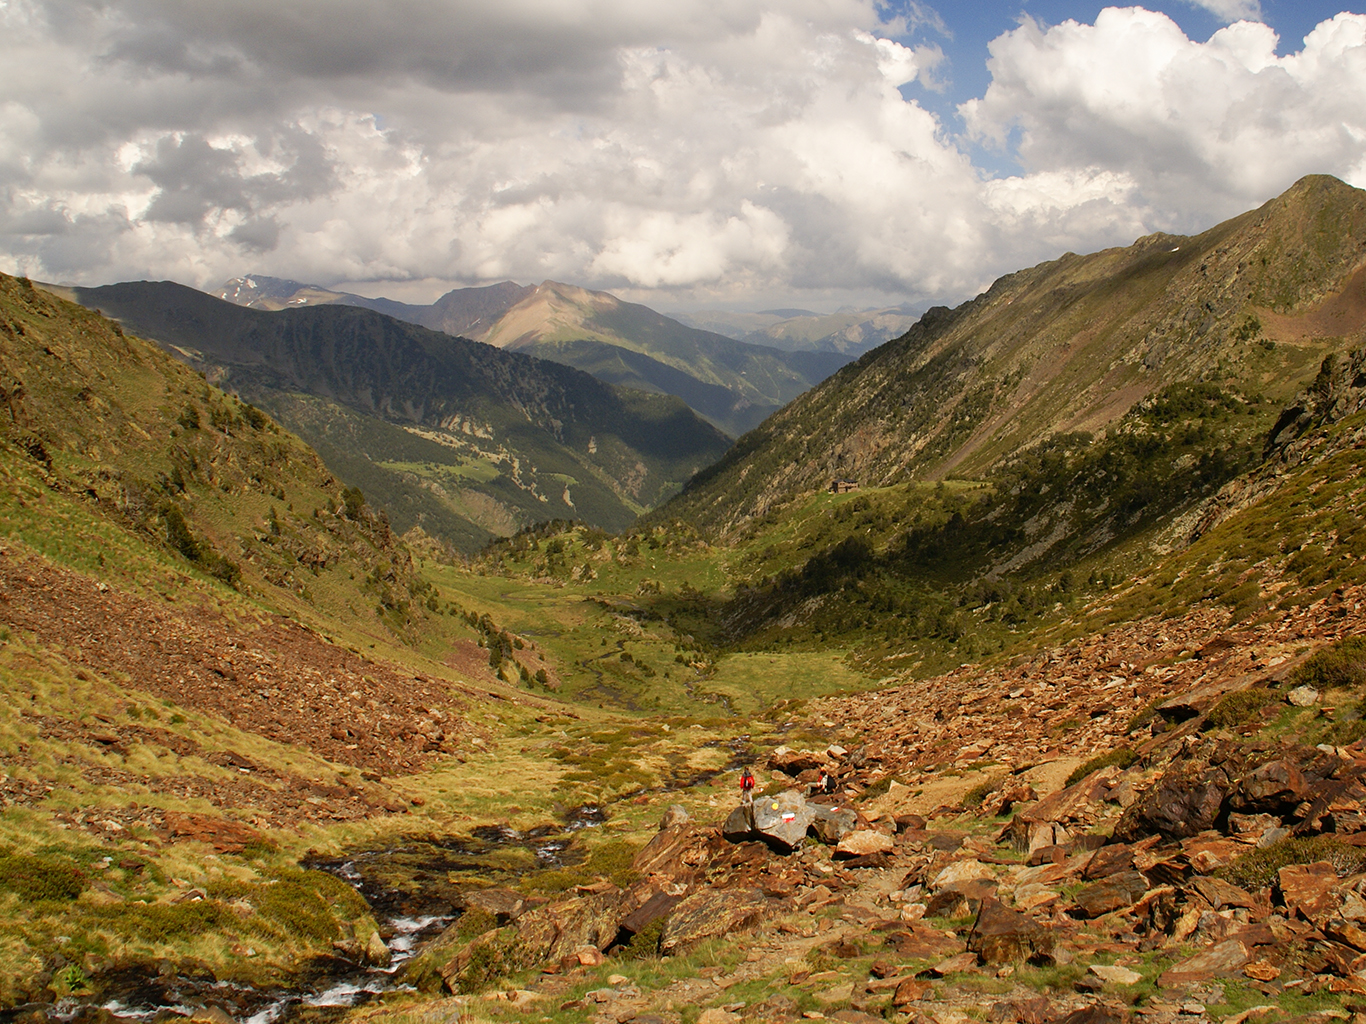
(729, 154)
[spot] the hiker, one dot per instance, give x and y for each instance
(746, 788)
(823, 786)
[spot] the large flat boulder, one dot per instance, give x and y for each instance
(711, 913)
(782, 820)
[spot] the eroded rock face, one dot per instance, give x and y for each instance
(1184, 801)
(1272, 788)
(710, 913)
(676, 855)
(1001, 935)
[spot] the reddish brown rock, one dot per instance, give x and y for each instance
(1208, 854)
(922, 942)
(658, 906)
(1225, 958)
(1114, 892)
(675, 854)
(223, 835)
(910, 990)
(710, 913)
(1220, 893)
(1109, 860)
(1308, 889)
(864, 842)
(1163, 865)
(794, 762)
(1347, 933)
(1000, 802)
(1272, 788)
(1184, 801)
(955, 964)
(1262, 970)
(1001, 935)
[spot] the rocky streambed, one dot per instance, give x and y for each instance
(415, 890)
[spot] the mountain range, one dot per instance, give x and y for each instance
(733, 384)
(850, 331)
(459, 437)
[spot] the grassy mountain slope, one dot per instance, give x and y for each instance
(155, 698)
(1063, 348)
(163, 454)
(590, 329)
(456, 436)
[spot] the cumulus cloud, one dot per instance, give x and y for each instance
(1199, 129)
(693, 151)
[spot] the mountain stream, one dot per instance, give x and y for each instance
(409, 889)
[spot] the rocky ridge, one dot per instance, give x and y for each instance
(1066, 346)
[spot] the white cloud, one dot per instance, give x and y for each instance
(1202, 130)
(733, 152)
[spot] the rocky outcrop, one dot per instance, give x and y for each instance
(711, 913)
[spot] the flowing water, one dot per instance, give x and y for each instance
(412, 890)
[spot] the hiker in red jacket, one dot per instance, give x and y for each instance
(746, 788)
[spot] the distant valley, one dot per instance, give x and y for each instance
(733, 383)
(461, 438)
(850, 331)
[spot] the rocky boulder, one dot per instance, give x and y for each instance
(739, 826)
(780, 821)
(794, 762)
(1001, 935)
(557, 929)
(1113, 892)
(676, 854)
(864, 843)
(711, 913)
(1274, 788)
(831, 824)
(1184, 801)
